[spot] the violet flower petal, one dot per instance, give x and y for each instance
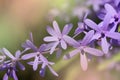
(92, 24)
(21, 66)
(110, 9)
(35, 63)
(106, 21)
(43, 65)
(28, 56)
(32, 62)
(14, 75)
(83, 61)
(5, 77)
(31, 45)
(113, 35)
(51, 31)
(54, 46)
(63, 44)
(51, 63)
(96, 36)
(43, 58)
(17, 54)
(50, 38)
(42, 48)
(49, 46)
(6, 52)
(87, 37)
(67, 29)
(105, 46)
(26, 49)
(93, 51)
(42, 72)
(56, 27)
(52, 71)
(70, 41)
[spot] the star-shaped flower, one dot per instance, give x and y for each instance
(102, 33)
(10, 65)
(57, 37)
(37, 54)
(82, 48)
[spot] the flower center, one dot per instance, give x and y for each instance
(102, 35)
(82, 52)
(116, 18)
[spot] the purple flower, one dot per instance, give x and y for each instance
(14, 59)
(82, 49)
(57, 37)
(39, 59)
(10, 65)
(102, 33)
(36, 51)
(37, 55)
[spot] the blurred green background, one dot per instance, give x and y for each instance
(19, 17)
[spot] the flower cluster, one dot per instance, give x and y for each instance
(104, 35)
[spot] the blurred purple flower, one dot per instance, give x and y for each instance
(102, 33)
(83, 48)
(58, 38)
(14, 59)
(10, 65)
(37, 55)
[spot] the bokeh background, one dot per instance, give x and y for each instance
(19, 17)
